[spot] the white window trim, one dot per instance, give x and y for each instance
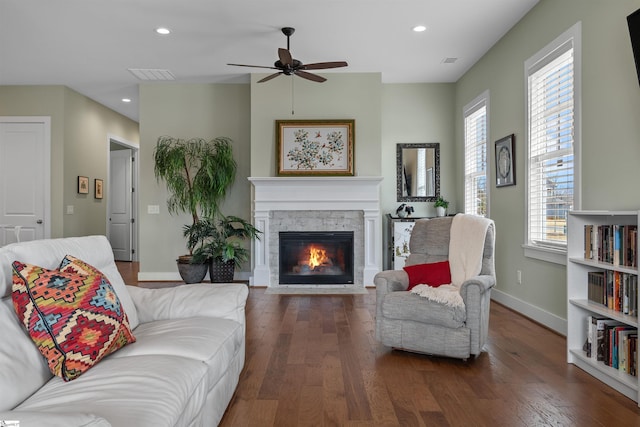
(468, 109)
(573, 34)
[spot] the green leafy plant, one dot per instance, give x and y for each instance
(223, 238)
(198, 173)
(441, 203)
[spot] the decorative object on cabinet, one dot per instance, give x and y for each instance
(441, 206)
(418, 172)
(315, 147)
(602, 245)
(505, 167)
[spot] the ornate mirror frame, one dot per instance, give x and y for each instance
(400, 167)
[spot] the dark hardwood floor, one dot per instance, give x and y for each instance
(314, 361)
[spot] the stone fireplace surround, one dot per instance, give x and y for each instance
(292, 203)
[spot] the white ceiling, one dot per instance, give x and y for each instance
(89, 45)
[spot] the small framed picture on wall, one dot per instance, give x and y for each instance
(83, 185)
(505, 168)
(98, 185)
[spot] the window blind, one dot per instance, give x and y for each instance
(551, 148)
(475, 160)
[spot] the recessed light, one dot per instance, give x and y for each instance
(126, 100)
(419, 28)
(163, 31)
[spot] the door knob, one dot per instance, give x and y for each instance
(39, 221)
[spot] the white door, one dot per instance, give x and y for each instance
(24, 179)
(120, 195)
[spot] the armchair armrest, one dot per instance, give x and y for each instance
(226, 301)
(391, 281)
(476, 293)
(386, 282)
(478, 284)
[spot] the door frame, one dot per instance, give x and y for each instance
(135, 148)
(46, 121)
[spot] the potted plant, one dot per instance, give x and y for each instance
(223, 248)
(198, 174)
(441, 206)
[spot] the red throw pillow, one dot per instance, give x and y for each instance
(433, 274)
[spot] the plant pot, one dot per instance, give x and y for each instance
(440, 211)
(221, 272)
(191, 273)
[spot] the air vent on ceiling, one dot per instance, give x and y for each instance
(150, 74)
(449, 60)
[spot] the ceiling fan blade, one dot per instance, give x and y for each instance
(253, 66)
(285, 56)
(310, 76)
(269, 77)
(324, 65)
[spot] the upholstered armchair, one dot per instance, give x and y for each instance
(407, 320)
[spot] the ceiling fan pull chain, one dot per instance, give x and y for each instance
(292, 97)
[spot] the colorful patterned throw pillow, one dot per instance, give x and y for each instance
(72, 314)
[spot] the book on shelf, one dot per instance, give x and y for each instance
(615, 290)
(614, 244)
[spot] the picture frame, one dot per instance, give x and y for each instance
(315, 147)
(505, 164)
(98, 186)
(83, 185)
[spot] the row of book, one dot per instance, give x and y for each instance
(613, 244)
(615, 290)
(612, 343)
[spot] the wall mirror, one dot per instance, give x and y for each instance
(418, 172)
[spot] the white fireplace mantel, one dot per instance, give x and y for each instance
(317, 193)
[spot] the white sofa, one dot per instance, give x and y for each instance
(182, 370)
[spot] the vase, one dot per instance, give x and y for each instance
(440, 211)
(192, 273)
(221, 272)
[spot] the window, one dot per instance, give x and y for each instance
(552, 142)
(475, 156)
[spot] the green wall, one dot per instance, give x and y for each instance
(187, 111)
(610, 145)
(79, 146)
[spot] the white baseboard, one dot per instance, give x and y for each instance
(174, 276)
(537, 314)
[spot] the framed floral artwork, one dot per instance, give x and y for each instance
(315, 147)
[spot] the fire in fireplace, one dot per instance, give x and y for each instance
(316, 257)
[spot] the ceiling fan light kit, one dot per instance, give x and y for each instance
(289, 66)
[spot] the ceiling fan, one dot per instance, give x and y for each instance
(289, 66)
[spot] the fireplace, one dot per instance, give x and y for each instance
(288, 204)
(316, 257)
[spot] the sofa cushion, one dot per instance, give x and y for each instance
(433, 274)
(140, 391)
(50, 419)
(23, 370)
(404, 305)
(211, 340)
(72, 314)
(47, 253)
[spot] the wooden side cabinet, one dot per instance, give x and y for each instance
(398, 234)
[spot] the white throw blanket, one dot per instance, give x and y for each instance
(466, 247)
